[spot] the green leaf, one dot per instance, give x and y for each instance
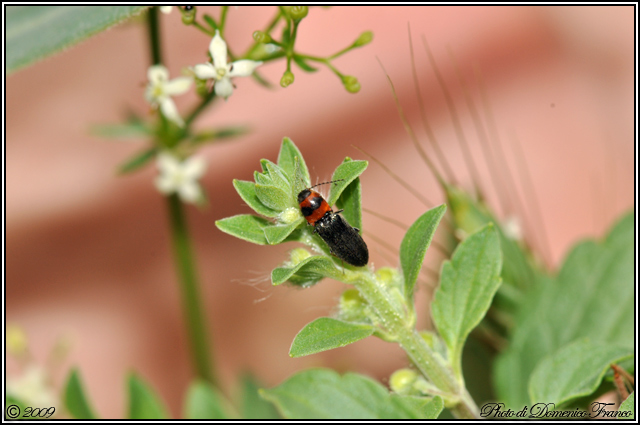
(143, 402)
(592, 297)
(414, 246)
(324, 394)
(252, 405)
(470, 216)
(573, 371)
(137, 161)
(130, 130)
(35, 32)
(203, 401)
(325, 334)
(351, 202)
(245, 226)
(277, 176)
(217, 134)
(309, 270)
(277, 234)
(287, 162)
(21, 406)
(428, 408)
(346, 172)
(629, 405)
(75, 400)
(273, 197)
(467, 285)
(247, 191)
(302, 63)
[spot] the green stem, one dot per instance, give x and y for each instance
(200, 108)
(397, 321)
(196, 323)
(154, 36)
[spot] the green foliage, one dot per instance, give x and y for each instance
(629, 405)
(306, 272)
(35, 32)
(247, 227)
(143, 402)
(275, 195)
(203, 401)
(415, 244)
(592, 297)
(573, 371)
(467, 285)
(137, 161)
(324, 394)
(325, 334)
(75, 400)
(252, 406)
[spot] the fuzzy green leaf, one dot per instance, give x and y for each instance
(247, 191)
(310, 270)
(75, 399)
(324, 394)
(351, 202)
(280, 232)
(138, 161)
(467, 285)
(252, 405)
(203, 401)
(629, 405)
(415, 244)
(573, 371)
(346, 172)
(35, 32)
(245, 226)
(325, 334)
(592, 297)
(277, 176)
(287, 161)
(143, 402)
(273, 197)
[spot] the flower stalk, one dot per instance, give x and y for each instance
(183, 255)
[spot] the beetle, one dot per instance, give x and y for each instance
(344, 240)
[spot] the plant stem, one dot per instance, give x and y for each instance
(395, 318)
(154, 36)
(196, 323)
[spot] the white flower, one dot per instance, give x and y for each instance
(32, 388)
(180, 177)
(160, 89)
(512, 228)
(220, 70)
(166, 9)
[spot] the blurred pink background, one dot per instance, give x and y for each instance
(88, 254)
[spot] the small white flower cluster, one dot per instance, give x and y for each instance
(160, 88)
(178, 176)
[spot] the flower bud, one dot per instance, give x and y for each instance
(402, 380)
(188, 15)
(261, 37)
(16, 341)
(351, 84)
(289, 215)
(365, 38)
(298, 255)
(287, 79)
(298, 12)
